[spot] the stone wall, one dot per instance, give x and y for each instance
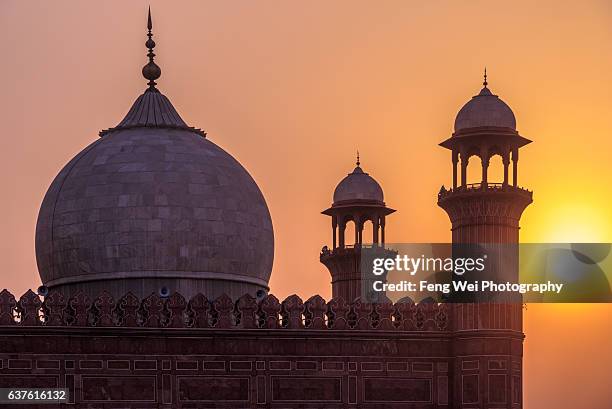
(174, 353)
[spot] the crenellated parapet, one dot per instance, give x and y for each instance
(175, 311)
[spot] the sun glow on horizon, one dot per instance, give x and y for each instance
(570, 222)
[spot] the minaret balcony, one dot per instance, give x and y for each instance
(474, 189)
(352, 250)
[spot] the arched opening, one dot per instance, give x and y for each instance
(367, 233)
(474, 170)
(349, 233)
(496, 169)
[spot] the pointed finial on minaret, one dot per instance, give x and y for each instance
(485, 83)
(358, 163)
(149, 22)
(151, 71)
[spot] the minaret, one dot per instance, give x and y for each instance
(485, 212)
(488, 335)
(358, 198)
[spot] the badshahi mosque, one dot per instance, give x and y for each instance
(155, 249)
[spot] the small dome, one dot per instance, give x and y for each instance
(358, 186)
(485, 109)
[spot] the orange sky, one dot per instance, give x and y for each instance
(293, 89)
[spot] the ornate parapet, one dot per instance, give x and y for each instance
(174, 311)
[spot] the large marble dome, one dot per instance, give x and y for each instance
(154, 204)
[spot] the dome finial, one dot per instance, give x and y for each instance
(485, 83)
(358, 163)
(151, 71)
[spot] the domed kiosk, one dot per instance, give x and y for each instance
(358, 198)
(484, 127)
(154, 206)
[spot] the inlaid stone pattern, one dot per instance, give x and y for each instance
(279, 379)
(97, 380)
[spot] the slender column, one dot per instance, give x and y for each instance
(484, 161)
(485, 169)
(506, 161)
(334, 227)
(455, 161)
(356, 233)
(382, 231)
(514, 167)
(464, 164)
(342, 227)
(375, 227)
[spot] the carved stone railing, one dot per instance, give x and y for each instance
(79, 310)
(482, 187)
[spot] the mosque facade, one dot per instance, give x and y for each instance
(155, 248)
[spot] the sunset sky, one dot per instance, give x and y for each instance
(293, 89)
